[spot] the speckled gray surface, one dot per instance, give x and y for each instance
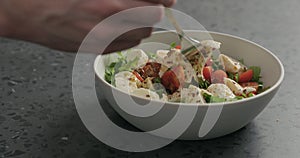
(38, 116)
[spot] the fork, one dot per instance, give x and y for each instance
(208, 122)
(194, 43)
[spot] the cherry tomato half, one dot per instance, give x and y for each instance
(207, 71)
(246, 76)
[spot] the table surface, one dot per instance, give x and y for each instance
(38, 116)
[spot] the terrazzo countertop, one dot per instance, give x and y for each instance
(38, 116)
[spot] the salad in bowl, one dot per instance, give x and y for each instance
(200, 74)
(227, 75)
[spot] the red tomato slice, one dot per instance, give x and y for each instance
(179, 72)
(218, 76)
(246, 76)
(207, 71)
(173, 79)
(170, 81)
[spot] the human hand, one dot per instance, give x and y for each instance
(63, 24)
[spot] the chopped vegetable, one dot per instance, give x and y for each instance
(251, 94)
(246, 76)
(218, 76)
(207, 71)
(234, 77)
(203, 84)
(261, 89)
(170, 81)
(213, 99)
(206, 97)
(156, 80)
(173, 79)
(239, 97)
(173, 45)
(256, 73)
(129, 66)
(110, 73)
(151, 55)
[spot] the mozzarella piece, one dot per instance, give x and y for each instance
(221, 91)
(139, 54)
(189, 71)
(205, 91)
(211, 44)
(229, 64)
(147, 83)
(233, 86)
(192, 94)
(175, 97)
(145, 93)
(126, 81)
(162, 70)
(248, 90)
(207, 47)
(173, 57)
(164, 98)
(160, 55)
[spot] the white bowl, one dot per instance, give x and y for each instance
(233, 115)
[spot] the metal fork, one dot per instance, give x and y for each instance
(194, 43)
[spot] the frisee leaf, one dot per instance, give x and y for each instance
(203, 84)
(160, 92)
(241, 61)
(110, 72)
(206, 97)
(121, 56)
(115, 67)
(151, 55)
(256, 73)
(213, 99)
(239, 97)
(173, 45)
(156, 80)
(128, 66)
(230, 75)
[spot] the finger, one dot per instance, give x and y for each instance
(147, 13)
(67, 46)
(118, 46)
(166, 3)
(136, 34)
(140, 12)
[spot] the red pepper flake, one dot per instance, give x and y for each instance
(138, 76)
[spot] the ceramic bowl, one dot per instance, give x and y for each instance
(216, 119)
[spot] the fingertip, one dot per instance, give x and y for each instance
(169, 3)
(157, 13)
(161, 13)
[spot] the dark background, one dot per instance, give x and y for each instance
(38, 116)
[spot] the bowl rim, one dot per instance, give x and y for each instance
(272, 88)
